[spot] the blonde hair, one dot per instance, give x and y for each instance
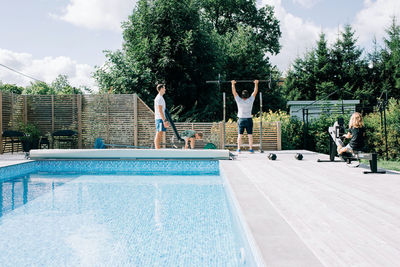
(356, 121)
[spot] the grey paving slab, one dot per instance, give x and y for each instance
(11, 159)
(305, 213)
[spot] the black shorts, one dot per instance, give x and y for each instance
(247, 124)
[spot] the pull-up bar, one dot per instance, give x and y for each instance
(238, 81)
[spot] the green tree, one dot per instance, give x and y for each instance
(391, 58)
(62, 86)
(228, 15)
(38, 88)
(177, 42)
(301, 80)
(244, 59)
(164, 41)
(372, 83)
(348, 66)
(323, 69)
(12, 88)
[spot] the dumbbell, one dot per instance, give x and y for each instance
(272, 156)
(298, 156)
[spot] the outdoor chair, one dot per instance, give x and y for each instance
(64, 138)
(44, 142)
(10, 138)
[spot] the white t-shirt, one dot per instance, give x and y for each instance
(244, 106)
(159, 101)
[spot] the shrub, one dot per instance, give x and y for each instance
(318, 136)
(376, 134)
(291, 128)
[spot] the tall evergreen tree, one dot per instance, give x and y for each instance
(391, 59)
(301, 80)
(349, 67)
(372, 83)
(323, 69)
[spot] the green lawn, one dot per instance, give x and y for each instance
(386, 164)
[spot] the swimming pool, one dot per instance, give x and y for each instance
(119, 213)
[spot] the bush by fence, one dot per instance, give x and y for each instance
(376, 134)
(317, 138)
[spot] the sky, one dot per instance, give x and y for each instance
(45, 38)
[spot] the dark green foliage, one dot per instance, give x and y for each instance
(292, 131)
(60, 86)
(183, 44)
(391, 61)
(318, 137)
(32, 135)
(375, 131)
(292, 134)
(318, 132)
(12, 88)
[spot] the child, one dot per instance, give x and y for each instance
(356, 133)
(192, 136)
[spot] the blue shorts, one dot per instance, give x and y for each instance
(247, 124)
(160, 126)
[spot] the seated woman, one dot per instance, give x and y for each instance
(191, 136)
(356, 135)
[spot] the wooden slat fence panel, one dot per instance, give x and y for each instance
(39, 112)
(270, 135)
(17, 111)
(121, 119)
(65, 112)
(7, 102)
(94, 119)
(146, 124)
(112, 117)
(210, 131)
(12, 113)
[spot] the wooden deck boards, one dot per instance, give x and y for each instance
(340, 215)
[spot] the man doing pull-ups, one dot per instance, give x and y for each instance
(245, 106)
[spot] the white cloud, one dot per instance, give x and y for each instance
(375, 18)
(97, 14)
(46, 69)
(299, 35)
(306, 3)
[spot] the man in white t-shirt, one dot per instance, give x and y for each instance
(245, 122)
(159, 115)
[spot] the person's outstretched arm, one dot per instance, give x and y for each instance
(233, 82)
(255, 88)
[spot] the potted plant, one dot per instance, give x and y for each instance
(31, 138)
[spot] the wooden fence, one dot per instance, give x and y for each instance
(119, 119)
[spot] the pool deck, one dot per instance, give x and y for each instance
(305, 213)
(11, 159)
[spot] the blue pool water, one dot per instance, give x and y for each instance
(109, 213)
